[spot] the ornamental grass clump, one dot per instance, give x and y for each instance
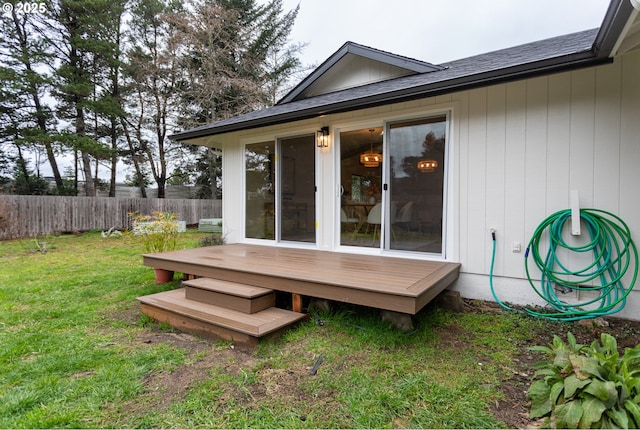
(582, 386)
(158, 232)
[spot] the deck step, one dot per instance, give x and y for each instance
(205, 319)
(240, 297)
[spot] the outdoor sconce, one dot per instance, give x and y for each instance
(322, 137)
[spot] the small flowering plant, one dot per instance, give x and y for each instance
(158, 232)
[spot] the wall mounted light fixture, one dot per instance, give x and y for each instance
(322, 137)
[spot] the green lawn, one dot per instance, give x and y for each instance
(76, 352)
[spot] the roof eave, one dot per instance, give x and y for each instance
(612, 27)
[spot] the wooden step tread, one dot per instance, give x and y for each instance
(237, 303)
(257, 324)
(226, 287)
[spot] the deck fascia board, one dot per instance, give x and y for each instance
(397, 284)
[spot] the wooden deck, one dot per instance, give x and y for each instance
(396, 284)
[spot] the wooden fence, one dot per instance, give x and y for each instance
(25, 216)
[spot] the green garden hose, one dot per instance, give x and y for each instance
(613, 252)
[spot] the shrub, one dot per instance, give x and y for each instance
(587, 386)
(158, 232)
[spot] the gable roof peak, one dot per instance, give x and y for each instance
(417, 66)
(411, 65)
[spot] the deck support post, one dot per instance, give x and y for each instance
(296, 302)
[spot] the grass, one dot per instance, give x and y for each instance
(76, 353)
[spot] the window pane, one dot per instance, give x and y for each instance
(298, 189)
(417, 151)
(361, 187)
(260, 186)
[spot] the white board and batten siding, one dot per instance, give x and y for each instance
(518, 149)
(524, 146)
(354, 71)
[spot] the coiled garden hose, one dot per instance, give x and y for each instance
(613, 253)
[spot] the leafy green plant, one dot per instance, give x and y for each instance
(158, 232)
(583, 386)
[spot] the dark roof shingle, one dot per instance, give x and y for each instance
(558, 53)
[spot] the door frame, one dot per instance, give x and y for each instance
(383, 120)
(280, 187)
(276, 140)
(386, 246)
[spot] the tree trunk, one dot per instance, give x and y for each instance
(161, 187)
(134, 158)
(114, 156)
(88, 177)
(86, 161)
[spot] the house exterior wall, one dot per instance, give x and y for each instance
(525, 145)
(517, 151)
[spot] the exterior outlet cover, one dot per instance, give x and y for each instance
(516, 247)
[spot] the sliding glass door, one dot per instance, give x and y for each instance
(260, 185)
(297, 202)
(361, 187)
(392, 190)
(280, 200)
(417, 184)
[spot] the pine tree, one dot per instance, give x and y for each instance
(26, 76)
(81, 48)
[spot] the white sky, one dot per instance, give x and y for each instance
(436, 31)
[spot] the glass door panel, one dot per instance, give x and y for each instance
(360, 187)
(298, 189)
(416, 161)
(260, 186)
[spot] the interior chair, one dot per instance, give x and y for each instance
(405, 216)
(344, 219)
(375, 218)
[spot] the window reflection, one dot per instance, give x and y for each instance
(260, 186)
(417, 154)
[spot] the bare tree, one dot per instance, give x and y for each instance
(154, 75)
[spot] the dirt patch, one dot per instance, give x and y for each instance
(163, 388)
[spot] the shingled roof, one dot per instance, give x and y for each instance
(575, 50)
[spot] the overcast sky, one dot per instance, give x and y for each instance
(436, 31)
